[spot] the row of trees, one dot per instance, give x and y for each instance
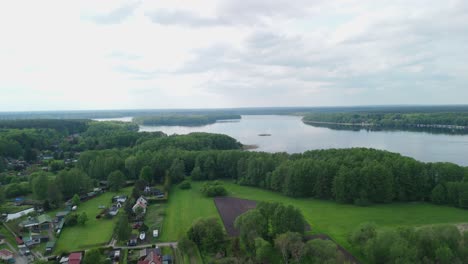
(358, 175)
(182, 120)
(391, 120)
(442, 244)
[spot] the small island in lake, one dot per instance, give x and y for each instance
(264, 135)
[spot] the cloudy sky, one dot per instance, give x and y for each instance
(58, 55)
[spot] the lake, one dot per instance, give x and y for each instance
(289, 134)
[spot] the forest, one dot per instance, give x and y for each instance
(392, 120)
(183, 120)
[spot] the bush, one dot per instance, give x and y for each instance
(213, 189)
(185, 185)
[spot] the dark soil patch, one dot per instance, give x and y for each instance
(347, 256)
(230, 208)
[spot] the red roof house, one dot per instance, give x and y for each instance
(75, 258)
(5, 254)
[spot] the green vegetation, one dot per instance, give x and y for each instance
(95, 232)
(213, 189)
(183, 208)
(395, 120)
(333, 219)
(182, 120)
(430, 244)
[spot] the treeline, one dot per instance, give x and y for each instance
(183, 120)
(443, 244)
(26, 143)
(64, 126)
(391, 120)
(360, 176)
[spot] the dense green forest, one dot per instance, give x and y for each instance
(392, 120)
(183, 120)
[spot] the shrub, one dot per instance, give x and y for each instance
(185, 185)
(213, 189)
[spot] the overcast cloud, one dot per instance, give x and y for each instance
(58, 55)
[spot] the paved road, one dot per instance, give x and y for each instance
(166, 244)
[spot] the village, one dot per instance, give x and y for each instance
(33, 234)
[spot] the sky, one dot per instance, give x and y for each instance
(79, 55)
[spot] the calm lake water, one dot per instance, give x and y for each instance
(289, 134)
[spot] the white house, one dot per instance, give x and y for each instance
(140, 203)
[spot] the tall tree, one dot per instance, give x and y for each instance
(177, 171)
(40, 186)
(116, 180)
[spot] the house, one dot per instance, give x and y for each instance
(119, 199)
(6, 254)
(149, 191)
(153, 256)
(61, 215)
(42, 222)
(146, 251)
(35, 239)
(50, 247)
(133, 241)
(113, 211)
(140, 203)
(75, 258)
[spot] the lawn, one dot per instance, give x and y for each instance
(183, 208)
(95, 231)
(328, 217)
(154, 219)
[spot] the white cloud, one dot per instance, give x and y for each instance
(182, 54)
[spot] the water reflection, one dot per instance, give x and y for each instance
(289, 134)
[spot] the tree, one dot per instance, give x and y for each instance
(290, 244)
(82, 218)
(40, 185)
(287, 219)
(116, 180)
(71, 220)
(76, 199)
(93, 256)
(53, 194)
(196, 174)
(146, 174)
(439, 194)
(131, 165)
(177, 171)
(362, 234)
(208, 234)
(252, 224)
(186, 245)
(263, 250)
(321, 251)
(123, 229)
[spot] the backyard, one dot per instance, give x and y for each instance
(95, 231)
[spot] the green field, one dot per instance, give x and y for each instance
(183, 208)
(96, 231)
(328, 217)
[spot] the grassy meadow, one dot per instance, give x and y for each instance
(336, 220)
(95, 231)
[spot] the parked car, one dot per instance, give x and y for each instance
(137, 225)
(155, 233)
